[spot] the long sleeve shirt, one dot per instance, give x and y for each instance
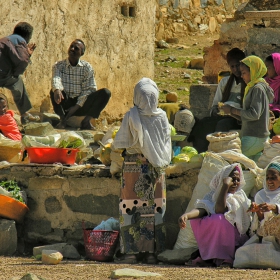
(14, 56)
(75, 81)
(255, 111)
(235, 93)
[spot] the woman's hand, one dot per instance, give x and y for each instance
(183, 221)
(227, 183)
(266, 207)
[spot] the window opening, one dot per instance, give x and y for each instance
(128, 11)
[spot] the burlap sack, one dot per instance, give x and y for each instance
(223, 141)
(269, 152)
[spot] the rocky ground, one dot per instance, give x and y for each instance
(170, 76)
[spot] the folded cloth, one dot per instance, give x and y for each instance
(110, 224)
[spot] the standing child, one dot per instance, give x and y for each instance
(255, 112)
(8, 125)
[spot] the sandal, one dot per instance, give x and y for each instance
(126, 259)
(151, 258)
(199, 262)
(61, 125)
(29, 118)
(227, 264)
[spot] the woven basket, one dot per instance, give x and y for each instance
(100, 245)
(10, 154)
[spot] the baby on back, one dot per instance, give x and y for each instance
(8, 125)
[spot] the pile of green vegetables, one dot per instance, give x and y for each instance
(71, 144)
(12, 187)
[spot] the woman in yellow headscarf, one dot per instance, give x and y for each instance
(255, 111)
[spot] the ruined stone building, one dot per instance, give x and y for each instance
(119, 37)
(255, 28)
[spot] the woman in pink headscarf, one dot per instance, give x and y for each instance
(272, 63)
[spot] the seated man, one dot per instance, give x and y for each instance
(15, 53)
(230, 90)
(74, 91)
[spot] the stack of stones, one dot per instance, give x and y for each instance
(180, 18)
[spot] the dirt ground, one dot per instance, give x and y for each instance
(172, 73)
(15, 268)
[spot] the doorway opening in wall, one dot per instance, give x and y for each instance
(128, 11)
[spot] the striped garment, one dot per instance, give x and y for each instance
(76, 81)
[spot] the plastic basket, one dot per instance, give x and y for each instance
(100, 245)
(12, 209)
(51, 155)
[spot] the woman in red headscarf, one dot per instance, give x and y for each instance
(272, 63)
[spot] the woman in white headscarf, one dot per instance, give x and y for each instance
(145, 136)
(220, 220)
(267, 205)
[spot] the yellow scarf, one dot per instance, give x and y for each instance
(257, 71)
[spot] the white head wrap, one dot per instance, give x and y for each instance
(146, 126)
(237, 203)
(266, 195)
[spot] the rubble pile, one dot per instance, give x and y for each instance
(179, 19)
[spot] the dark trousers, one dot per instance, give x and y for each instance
(207, 126)
(93, 106)
(16, 86)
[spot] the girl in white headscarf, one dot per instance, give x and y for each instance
(145, 136)
(220, 220)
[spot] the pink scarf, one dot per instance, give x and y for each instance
(274, 83)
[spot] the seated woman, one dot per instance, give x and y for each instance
(266, 225)
(8, 125)
(267, 204)
(220, 220)
(230, 90)
(272, 63)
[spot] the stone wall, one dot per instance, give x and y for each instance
(201, 99)
(119, 37)
(60, 198)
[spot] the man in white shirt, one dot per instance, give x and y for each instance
(74, 91)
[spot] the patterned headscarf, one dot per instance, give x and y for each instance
(274, 83)
(274, 165)
(257, 71)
